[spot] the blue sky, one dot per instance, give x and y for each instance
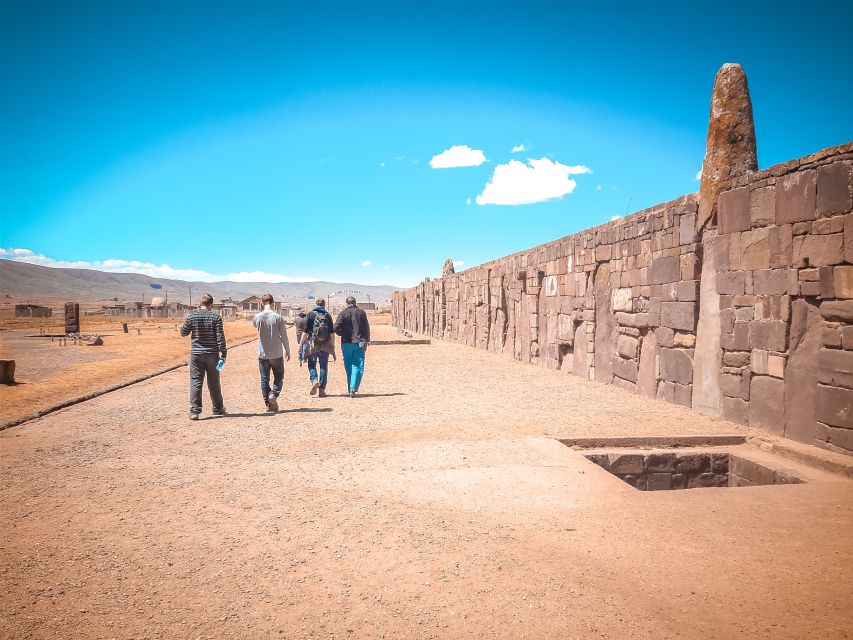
(275, 140)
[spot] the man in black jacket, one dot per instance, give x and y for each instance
(354, 330)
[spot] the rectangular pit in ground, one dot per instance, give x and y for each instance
(669, 470)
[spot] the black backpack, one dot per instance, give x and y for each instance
(321, 330)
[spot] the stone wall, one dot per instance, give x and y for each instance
(768, 292)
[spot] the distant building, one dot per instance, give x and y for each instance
(366, 306)
(32, 311)
(226, 308)
(253, 303)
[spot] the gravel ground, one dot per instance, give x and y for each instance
(436, 505)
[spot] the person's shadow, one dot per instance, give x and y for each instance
(372, 395)
(269, 414)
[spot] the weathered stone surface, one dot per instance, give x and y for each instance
(647, 383)
(848, 238)
(781, 246)
(767, 404)
(818, 251)
(628, 463)
(842, 280)
(622, 300)
(730, 145)
(837, 310)
(448, 269)
(735, 409)
(730, 283)
(579, 361)
(676, 365)
(755, 249)
(835, 367)
(795, 197)
(664, 270)
(678, 315)
(660, 463)
(835, 406)
(768, 334)
(762, 206)
(833, 189)
(734, 211)
(605, 326)
(626, 346)
(625, 369)
(770, 281)
(658, 482)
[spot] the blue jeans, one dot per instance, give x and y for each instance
(323, 357)
(353, 364)
(277, 366)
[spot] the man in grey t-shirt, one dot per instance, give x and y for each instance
(273, 350)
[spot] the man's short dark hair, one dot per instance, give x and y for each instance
(206, 300)
(267, 298)
(350, 300)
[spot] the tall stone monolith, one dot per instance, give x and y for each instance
(448, 269)
(730, 145)
(729, 152)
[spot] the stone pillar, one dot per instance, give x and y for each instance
(730, 145)
(729, 151)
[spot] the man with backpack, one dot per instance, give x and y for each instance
(320, 341)
(273, 350)
(354, 329)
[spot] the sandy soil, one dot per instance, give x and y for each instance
(437, 505)
(48, 373)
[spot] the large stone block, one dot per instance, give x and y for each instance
(767, 404)
(795, 197)
(837, 310)
(770, 281)
(833, 189)
(730, 283)
(768, 334)
(733, 210)
(625, 369)
(848, 238)
(819, 251)
(755, 249)
(664, 270)
(626, 464)
(735, 409)
(835, 406)
(842, 280)
(781, 246)
(678, 315)
(762, 206)
(835, 367)
(626, 346)
(622, 300)
(647, 381)
(676, 365)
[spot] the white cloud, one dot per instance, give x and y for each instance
(519, 148)
(538, 180)
(114, 265)
(366, 263)
(598, 187)
(458, 263)
(458, 156)
(612, 218)
(699, 174)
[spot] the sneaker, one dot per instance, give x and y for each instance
(221, 412)
(314, 388)
(193, 416)
(352, 393)
(322, 392)
(272, 403)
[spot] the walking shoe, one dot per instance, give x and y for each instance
(220, 412)
(314, 388)
(322, 392)
(352, 393)
(272, 403)
(193, 416)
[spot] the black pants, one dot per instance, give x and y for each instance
(201, 364)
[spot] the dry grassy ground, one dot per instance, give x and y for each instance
(48, 373)
(437, 505)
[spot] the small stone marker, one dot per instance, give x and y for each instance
(95, 341)
(7, 372)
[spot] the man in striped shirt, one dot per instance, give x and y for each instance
(208, 346)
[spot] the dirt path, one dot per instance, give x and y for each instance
(437, 505)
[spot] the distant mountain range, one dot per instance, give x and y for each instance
(34, 282)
